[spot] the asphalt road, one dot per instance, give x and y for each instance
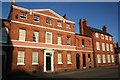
(105, 72)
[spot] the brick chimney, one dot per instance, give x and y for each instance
(85, 22)
(81, 26)
(65, 17)
(14, 2)
(104, 28)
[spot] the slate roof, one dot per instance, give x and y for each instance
(98, 30)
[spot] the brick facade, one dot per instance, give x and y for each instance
(75, 48)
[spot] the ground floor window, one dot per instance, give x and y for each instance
(108, 57)
(34, 58)
(103, 58)
(112, 56)
(59, 58)
(99, 58)
(89, 58)
(20, 58)
(69, 61)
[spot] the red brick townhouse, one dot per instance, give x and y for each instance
(102, 44)
(42, 40)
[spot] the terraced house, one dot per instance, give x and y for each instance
(42, 40)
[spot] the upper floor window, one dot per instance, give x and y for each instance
(59, 39)
(49, 37)
(106, 37)
(69, 61)
(20, 58)
(59, 24)
(35, 37)
(34, 58)
(110, 38)
(23, 15)
(111, 47)
(22, 34)
(83, 43)
(98, 45)
(103, 46)
(68, 40)
(96, 35)
(102, 36)
(36, 18)
(107, 46)
(59, 58)
(48, 20)
(68, 26)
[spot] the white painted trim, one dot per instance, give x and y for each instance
(34, 63)
(41, 26)
(20, 64)
(52, 59)
(69, 62)
(60, 63)
(46, 37)
(42, 13)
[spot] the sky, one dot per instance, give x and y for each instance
(98, 14)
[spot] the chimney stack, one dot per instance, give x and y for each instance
(104, 28)
(65, 17)
(13, 2)
(85, 22)
(81, 26)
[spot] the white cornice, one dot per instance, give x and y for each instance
(35, 11)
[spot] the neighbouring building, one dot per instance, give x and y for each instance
(103, 46)
(42, 40)
(117, 53)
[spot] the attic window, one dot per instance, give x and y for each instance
(59, 24)
(68, 26)
(36, 18)
(48, 21)
(23, 15)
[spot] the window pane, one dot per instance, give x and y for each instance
(108, 56)
(59, 24)
(68, 41)
(103, 57)
(35, 57)
(59, 58)
(48, 37)
(48, 21)
(36, 18)
(22, 34)
(69, 58)
(20, 57)
(96, 34)
(68, 26)
(103, 46)
(59, 39)
(97, 45)
(35, 36)
(112, 58)
(99, 58)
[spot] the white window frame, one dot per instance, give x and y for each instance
(111, 47)
(59, 24)
(110, 38)
(18, 57)
(48, 21)
(68, 26)
(36, 57)
(108, 58)
(99, 58)
(97, 45)
(21, 36)
(69, 58)
(36, 19)
(112, 57)
(22, 14)
(103, 46)
(106, 37)
(36, 36)
(102, 36)
(96, 35)
(107, 46)
(50, 36)
(59, 41)
(60, 58)
(103, 58)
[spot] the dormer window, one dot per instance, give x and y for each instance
(23, 15)
(59, 24)
(36, 18)
(68, 26)
(48, 21)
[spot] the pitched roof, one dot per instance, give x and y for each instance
(98, 30)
